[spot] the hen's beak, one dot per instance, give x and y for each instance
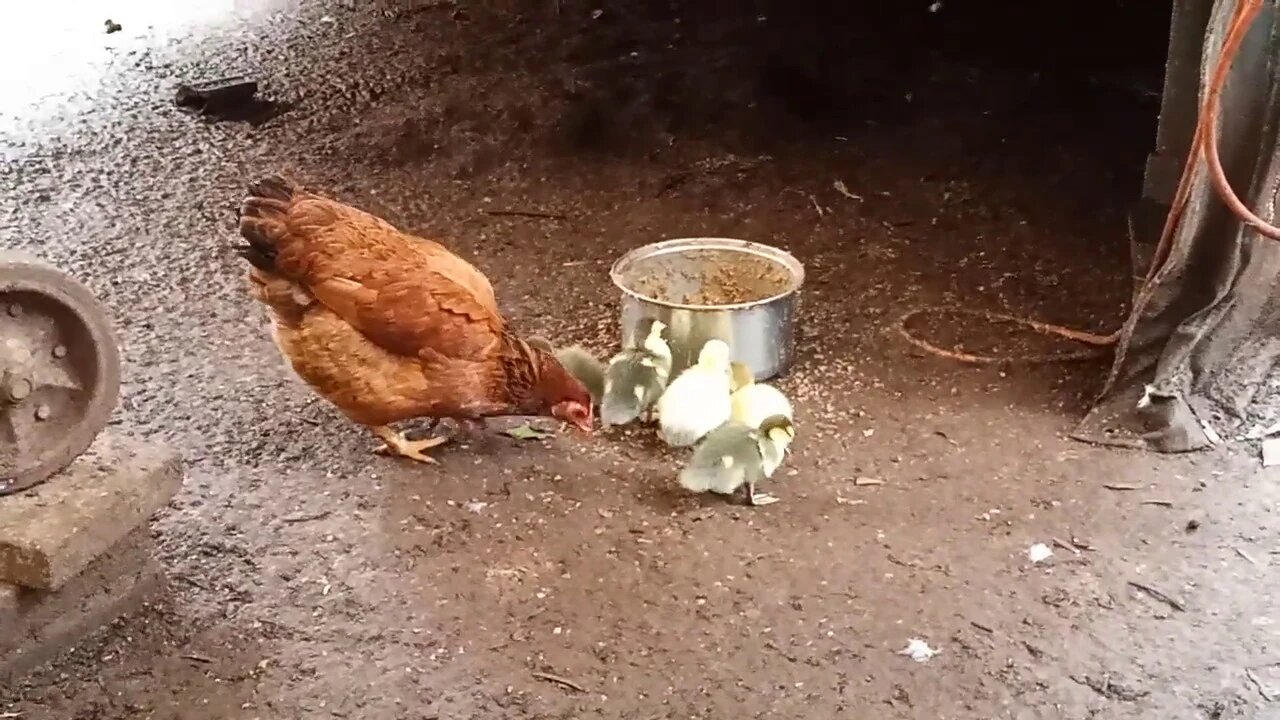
(586, 424)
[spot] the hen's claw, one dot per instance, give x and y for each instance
(396, 444)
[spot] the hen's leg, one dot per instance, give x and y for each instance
(394, 443)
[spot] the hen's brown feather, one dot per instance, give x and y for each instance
(408, 315)
(386, 325)
(373, 386)
(313, 240)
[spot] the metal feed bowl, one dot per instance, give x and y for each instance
(59, 370)
(759, 330)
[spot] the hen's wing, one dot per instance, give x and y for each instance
(410, 296)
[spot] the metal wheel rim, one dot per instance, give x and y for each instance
(59, 357)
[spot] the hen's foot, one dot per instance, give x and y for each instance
(394, 443)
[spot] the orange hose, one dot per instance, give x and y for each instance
(1204, 143)
(1246, 13)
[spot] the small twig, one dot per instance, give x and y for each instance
(812, 198)
(816, 206)
(844, 190)
(1108, 689)
(306, 518)
(1161, 503)
(1245, 555)
(528, 214)
(1074, 545)
(563, 682)
(1122, 486)
(1158, 596)
(1262, 689)
(196, 658)
(982, 627)
(753, 558)
(8, 715)
(903, 563)
(1081, 544)
(1066, 546)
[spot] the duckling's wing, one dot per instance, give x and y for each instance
(726, 459)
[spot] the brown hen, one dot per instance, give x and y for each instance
(388, 326)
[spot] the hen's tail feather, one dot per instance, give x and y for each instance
(264, 261)
(273, 187)
(263, 220)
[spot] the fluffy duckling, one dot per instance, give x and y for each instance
(586, 368)
(636, 377)
(741, 375)
(697, 401)
(753, 404)
(579, 362)
(739, 456)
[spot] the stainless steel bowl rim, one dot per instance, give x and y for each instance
(664, 247)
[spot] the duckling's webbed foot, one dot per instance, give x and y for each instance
(758, 499)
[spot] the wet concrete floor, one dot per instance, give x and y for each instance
(310, 578)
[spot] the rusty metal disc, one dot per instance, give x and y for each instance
(59, 370)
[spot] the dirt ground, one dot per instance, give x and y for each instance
(310, 578)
